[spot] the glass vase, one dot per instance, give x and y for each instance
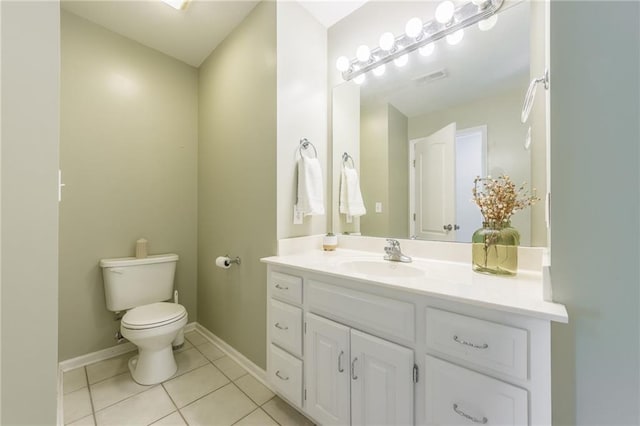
(495, 249)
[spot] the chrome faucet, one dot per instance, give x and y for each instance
(393, 252)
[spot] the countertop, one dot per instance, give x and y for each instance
(454, 281)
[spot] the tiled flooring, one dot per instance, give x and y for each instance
(209, 388)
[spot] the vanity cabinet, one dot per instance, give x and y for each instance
(346, 350)
(354, 377)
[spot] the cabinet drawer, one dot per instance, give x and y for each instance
(286, 327)
(363, 310)
(457, 396)
(498, 347)
(285, 374)
(286, 287)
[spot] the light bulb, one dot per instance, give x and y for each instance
(401, 61)
(444, 12)
(359, 79)
(455, 38)
(378, 71)
(387, 41)
(343, 63)
(413, 28)
(427, 49)
(487, 24)
(363, 53)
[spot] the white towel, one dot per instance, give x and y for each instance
(310, 189)
(351, 202)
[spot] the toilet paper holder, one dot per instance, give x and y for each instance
(230, 261)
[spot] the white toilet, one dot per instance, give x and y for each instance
(141, 287)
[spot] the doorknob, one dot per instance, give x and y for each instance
(456, 227)
(448, 227)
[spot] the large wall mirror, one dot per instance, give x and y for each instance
(433, 125)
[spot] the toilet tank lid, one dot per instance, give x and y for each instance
(133, 261)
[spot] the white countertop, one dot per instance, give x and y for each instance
(455, 281)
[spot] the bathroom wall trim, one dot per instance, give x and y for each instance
(231, 352)
(103, 354)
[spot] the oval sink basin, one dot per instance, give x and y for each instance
(380, 268)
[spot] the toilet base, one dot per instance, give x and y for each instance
(153, 366)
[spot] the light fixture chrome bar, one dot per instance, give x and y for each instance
(464, 16)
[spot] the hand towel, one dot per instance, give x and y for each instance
(351, 202)
(310, 189)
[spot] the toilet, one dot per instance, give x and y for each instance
(141, 287)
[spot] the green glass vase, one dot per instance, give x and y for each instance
(495, 249)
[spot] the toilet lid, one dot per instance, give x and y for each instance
(153, 315)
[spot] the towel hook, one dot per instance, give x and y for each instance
(531, 95)
(304, 144)
(346, 157)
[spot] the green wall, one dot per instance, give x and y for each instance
(128, 154)
(374, 169)
(384, 155)
(595, 229)
(237, 181)
(398, 150)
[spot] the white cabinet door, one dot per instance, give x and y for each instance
(327, 371)
(381, 381)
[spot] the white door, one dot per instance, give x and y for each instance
(381, 382)
(435, 185)
(327, 371)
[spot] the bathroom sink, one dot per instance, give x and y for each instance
(380, 268)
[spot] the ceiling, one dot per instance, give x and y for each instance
(330, 12)
(189, 35)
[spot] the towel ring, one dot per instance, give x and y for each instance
(304, 144)
(346, 157)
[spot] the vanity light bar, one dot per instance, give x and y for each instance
(464, 16)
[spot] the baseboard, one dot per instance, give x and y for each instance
(103, 354)
(60, 413)
(231, 352)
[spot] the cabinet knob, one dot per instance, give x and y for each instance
(281, 287)
(280, 327)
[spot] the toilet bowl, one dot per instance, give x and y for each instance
(152, 328)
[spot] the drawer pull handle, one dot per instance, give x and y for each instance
(281, 377)
(464, 342)
(340, 368)
(282, 287)
(280, 327)
(483, 421)
(353, 369)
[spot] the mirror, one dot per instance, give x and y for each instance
(419, 134)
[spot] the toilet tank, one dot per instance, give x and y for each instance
(131, 282)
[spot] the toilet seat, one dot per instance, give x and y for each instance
(153, 315)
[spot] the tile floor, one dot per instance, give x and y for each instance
(209, 388)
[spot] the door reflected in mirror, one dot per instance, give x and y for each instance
(420, 134)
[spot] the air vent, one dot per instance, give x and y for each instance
(431, 77)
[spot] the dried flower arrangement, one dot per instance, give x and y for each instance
(498, 198)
